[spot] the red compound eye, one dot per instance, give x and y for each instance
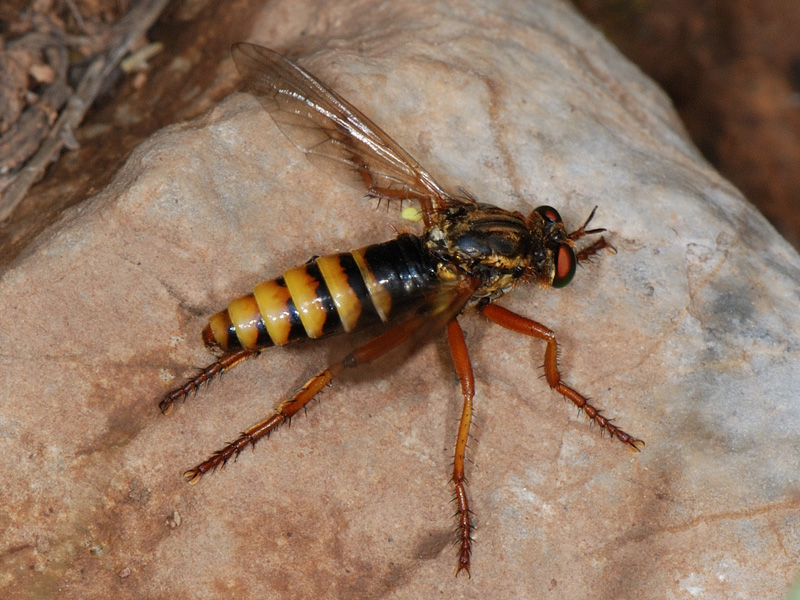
(549, 214)
(566, 263)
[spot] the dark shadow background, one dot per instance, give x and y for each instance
(732, 68)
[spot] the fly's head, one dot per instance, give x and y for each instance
(554, 258)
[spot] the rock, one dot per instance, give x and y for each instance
(688, 336)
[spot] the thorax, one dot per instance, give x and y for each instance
(485, 242)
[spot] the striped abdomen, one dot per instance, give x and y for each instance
(333, 293)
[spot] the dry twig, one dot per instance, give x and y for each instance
(123, 37)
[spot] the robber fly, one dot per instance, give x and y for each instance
(468, 256)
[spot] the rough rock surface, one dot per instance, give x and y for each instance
(689, 336)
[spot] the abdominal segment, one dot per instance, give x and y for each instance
(330, 294)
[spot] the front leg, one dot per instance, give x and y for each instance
(515, 322)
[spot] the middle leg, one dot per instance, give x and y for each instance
(458, 349)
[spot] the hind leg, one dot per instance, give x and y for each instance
(225, 363)
(364, 354)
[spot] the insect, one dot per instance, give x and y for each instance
(468, 256)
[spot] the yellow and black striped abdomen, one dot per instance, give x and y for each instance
(338, 292)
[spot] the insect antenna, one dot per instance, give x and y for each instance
(582, 231)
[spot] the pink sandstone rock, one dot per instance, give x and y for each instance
(688, 337)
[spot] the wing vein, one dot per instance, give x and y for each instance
(336, 136)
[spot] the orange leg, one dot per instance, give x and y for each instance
(458, 349)
(515, 322)
(369, 351)
(225, 363)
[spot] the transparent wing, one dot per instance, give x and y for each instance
(334, 135)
